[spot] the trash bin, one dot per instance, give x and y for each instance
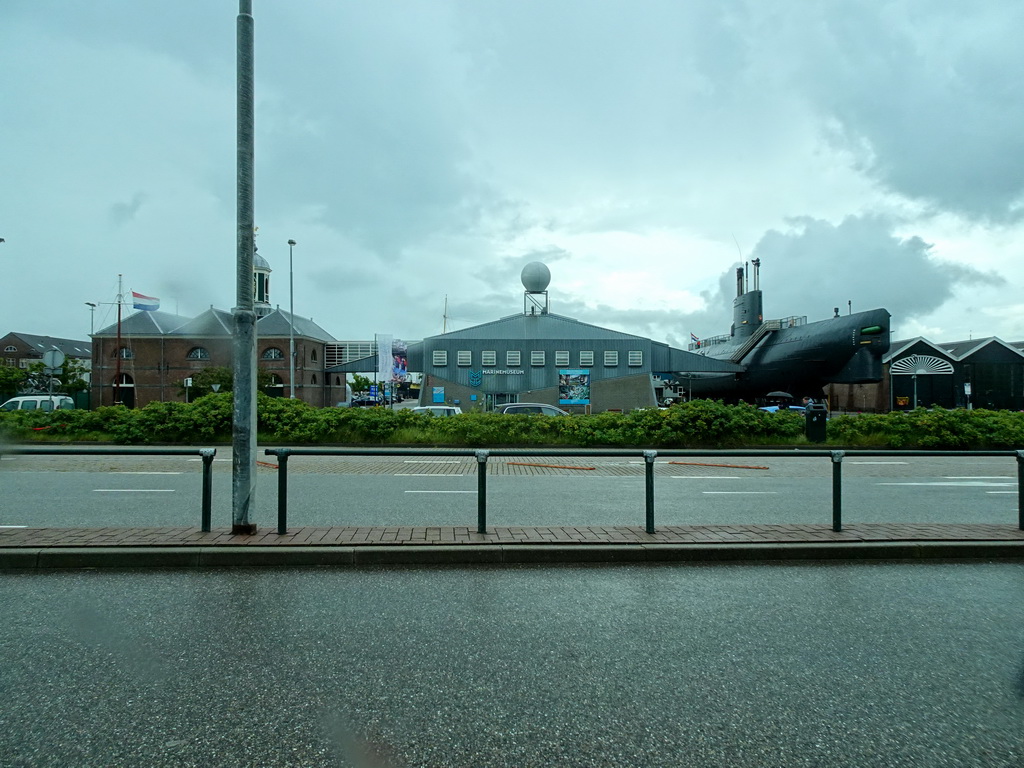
(816, 415)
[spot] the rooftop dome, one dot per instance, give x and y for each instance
(536, 277)
(258, 262)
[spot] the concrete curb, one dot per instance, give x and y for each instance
(49, 558)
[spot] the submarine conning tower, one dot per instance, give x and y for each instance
(747, 311)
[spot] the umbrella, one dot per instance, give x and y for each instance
(780, 394)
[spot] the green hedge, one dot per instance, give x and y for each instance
(697, 424)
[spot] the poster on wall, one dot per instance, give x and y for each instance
(438, 394)
(574, 386)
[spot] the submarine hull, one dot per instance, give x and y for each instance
(800, 360)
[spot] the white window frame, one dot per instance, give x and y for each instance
(488, 358)
(611, 358)
(587, 359)
(634, 358)
(464, 358)
(440, 358)
(562, 358)
(513, 358)
(537, 358)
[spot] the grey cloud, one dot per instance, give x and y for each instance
(932, 107)
(122, 213)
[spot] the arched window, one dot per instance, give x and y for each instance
(198, 353)
(125, 354)
(312, 355)
(273, 353)
(10, 348)
(313, 379)
(337, 381)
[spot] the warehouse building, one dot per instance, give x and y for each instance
(538, 356)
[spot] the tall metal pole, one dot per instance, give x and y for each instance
(243, 466)
(291, 324)
(117, 362)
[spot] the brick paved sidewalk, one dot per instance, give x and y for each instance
(352, 536)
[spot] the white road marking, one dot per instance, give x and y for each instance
(709, 477)
(145, 473)
(747, 492)
(133, 490)
(214, 459)
(878, 462)
(1012, 492)
(978, 477)
(431, 461)
(961, 484)
(440, 491)
(13, 526)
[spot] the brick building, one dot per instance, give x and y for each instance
(159, 350)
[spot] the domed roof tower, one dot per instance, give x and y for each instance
(536, 277)
(260, 285)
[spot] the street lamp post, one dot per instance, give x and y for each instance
(92, 317)
(291, 324)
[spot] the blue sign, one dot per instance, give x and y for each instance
(438, 394)
(373, 390)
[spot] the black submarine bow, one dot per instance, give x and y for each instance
(789, 354)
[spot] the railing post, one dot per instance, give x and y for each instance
(207, 454)
(649, 487)
(837, 490)
(481, 491)
(1020, 490)
(282, 492)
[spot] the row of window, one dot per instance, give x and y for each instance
(513, 358)
(201, 353)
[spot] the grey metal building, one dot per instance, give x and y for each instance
(537, 356)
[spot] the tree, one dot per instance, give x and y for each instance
(360, 383)
(12, 379)
(71, 378)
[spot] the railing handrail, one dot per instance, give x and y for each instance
(206, 454)
(649, 456)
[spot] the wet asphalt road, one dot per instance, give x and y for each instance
(747, 665)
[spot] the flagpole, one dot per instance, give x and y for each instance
(117, 365)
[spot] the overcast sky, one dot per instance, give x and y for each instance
(870, 154)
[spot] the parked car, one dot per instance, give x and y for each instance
(437, 410)
(367, 402)
(39, 403)
(530, 408)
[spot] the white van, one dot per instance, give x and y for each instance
(39, 403)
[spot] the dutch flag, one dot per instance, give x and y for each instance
(146, 303)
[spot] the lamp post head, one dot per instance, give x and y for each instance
(292, 242)
(90, 304)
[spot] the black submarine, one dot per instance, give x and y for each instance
(788, 355)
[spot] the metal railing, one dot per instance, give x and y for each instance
(649, 456)
(206, 454)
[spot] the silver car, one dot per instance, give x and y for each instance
(530, 408)
(438, 410)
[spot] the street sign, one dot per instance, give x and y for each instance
(53, 358)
